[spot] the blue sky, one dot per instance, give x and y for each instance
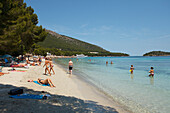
(129, 26)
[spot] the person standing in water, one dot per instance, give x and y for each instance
(111, 62)
(131, 69)
(151, 72)
(106, 62)
(70, 66)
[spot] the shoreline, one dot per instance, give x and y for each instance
(102, 97)
(70, 87)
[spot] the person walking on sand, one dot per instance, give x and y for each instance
(151, 72)
(131, 69)
(47, 66)
(70, 66)
(51, 66)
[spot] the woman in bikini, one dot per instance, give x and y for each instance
(46, 82)
(47, 66)
(51, 66)
(151, 72)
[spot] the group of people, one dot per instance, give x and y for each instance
(110, 62)
(48, 66)
(34, 62)
(151, 71)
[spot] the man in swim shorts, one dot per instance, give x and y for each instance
(70, 65)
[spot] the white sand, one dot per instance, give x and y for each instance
(65, 85)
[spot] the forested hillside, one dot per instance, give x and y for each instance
(64, 45)
(157, 53)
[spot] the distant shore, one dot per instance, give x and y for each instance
(70, 94)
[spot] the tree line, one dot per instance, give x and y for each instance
(18, 28)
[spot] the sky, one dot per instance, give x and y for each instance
(134, 27)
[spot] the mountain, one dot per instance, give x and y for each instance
(157, 53)
(65, 43)
(69, 44)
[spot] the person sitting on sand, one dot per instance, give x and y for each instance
(47, 66)
(51, 66)
(131, 69)
(151, 72)
(46, 82)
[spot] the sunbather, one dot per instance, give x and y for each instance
(1, 73)
(46, 82)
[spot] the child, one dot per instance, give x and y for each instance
(131, 69)
(151, 72)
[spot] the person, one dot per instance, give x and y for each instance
(151, 72)
(70, 66)
(106, 62)
(39, 60)
(1, 73)
(111, 62)
(51, 65)
(46, 82)
(131, 69)
(47, 66)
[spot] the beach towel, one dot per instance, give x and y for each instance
(27, 96)
(41, 84)
(17, 70)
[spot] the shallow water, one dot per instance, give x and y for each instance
(137, 91)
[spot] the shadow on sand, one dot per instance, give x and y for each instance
(54, 104)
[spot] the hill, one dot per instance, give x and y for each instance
(157, 53)
(66, 45)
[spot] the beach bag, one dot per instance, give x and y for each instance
(15, 91)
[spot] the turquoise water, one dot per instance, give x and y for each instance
(137, 91)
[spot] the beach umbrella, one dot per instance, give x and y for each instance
(6, 56)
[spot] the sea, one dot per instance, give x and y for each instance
(138, 92)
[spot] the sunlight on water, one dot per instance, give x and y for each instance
(137, 91)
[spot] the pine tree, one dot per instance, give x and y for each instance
(18, 30)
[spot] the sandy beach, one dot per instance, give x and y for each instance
(71, 94)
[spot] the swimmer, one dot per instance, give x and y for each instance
(151, 72)
(131, 69)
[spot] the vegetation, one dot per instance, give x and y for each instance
(157, 53)
(63, 45)
(18, 30)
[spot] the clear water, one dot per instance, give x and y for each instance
(137, 91)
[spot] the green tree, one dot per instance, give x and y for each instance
(18, 27)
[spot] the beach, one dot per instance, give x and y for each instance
(71, 94)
